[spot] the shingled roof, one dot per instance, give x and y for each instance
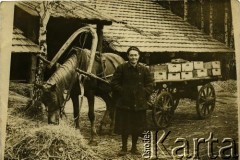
(152, 28)
(21, 44)
(69, 9)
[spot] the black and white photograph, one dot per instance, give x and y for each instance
(120, 80)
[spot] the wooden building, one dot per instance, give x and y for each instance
(162, 32)
(66, 18)
(23, 50)
(159, 33)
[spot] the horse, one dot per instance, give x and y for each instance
(66, 77)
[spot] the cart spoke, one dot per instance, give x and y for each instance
(208, 91)
(164, 100)
(207, 108)
(211, 107)
(202, 99)
(202, 109)
(202, 103)
(159, 121)
(158, 112)
(212, 101)
(203, 93)
(166, 119)
(167, 102)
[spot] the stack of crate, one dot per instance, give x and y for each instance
(159, 71)
(206, 69)
(186, 70)
(174, 71)
(214, 68)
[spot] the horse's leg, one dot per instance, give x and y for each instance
(108, 117)
(90, 97)
(53, 117)
(76, 113)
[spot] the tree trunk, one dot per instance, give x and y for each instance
(185, 17)
(33, 68)
(169, 5)
(44, 10)
(226, 21)
(211, 18)
(231, 45)
(202, 16)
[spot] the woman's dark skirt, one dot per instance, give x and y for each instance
(130, 122)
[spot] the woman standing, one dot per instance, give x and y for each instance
(132, 84)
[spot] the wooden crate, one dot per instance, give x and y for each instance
(159, 68)
(186, 75)
(200, 73)
(160, 75)
(174, 67)
(198, 65)
(174, 76)
(214, 72)
(212, 64)
(188, 66)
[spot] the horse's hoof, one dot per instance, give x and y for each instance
(93, 143)
(77, 127)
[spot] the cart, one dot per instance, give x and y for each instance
(167, 94)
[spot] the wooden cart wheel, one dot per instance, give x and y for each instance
(176, 99)
(163, 110)
(206, 99)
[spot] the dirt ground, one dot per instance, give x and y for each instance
(222, 124)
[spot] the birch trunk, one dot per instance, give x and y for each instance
(185, 17)
(211, 18)
(226, 21)
(44, 11)
(231, 45)
(202, 16)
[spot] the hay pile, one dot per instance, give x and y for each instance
(31, 138)
(229, 86)
(21, 88)
(41, 141)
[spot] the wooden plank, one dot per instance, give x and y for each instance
(160, 39)
(119, 32)
(157, 41)
(24, 7)
(25, 49)
(132, 4)
(153, 50)
(150, 44)
(124, 14)
(160, 30)
(152, 37)
(18, 36)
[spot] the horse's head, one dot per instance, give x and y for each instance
(50, 99)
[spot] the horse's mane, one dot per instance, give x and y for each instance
(63, 76)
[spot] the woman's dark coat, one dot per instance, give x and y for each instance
(133, 86)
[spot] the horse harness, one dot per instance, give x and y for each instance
(98, 58)
(73, 80)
